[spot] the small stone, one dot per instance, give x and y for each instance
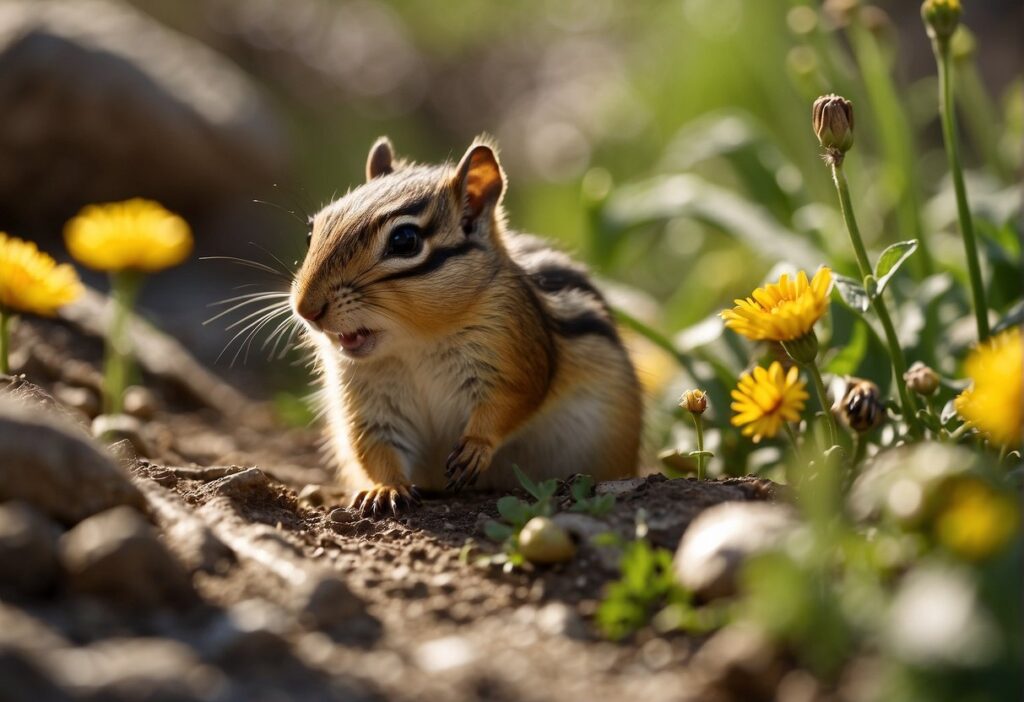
(117, 555)
(342, 515)
(85, 400)
(741, 662)
(140, 402)
(252, 630)
(543, 541)
(111, 428)
(559, 619)
(51, 464)
(444, 654)
(722, 538)
(327, 603)
(28, 550)
(241, 484)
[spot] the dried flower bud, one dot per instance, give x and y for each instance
(941, 18)
(833, 124)
(695, 401)
(921, 379)
(861, 405)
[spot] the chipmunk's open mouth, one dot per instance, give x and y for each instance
(358, 343)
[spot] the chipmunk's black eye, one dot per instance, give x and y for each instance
(404, 241)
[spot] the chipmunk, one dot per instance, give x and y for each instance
(450, 347)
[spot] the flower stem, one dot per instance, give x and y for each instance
(699, 424)
(124, 286)
(819, 386)
(948, 114)
(5, 340)
(899, 363)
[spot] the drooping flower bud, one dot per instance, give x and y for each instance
(832, 117)
(941, 17)
(695, 401)
(861, 406)
(921, 379)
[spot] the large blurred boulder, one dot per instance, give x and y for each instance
(54, 466)
(102, 102)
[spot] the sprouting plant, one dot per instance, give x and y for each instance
(515, 513)
(584, 500)
(646, 586)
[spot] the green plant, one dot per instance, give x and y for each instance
(515, 513)
(646, 586)
(584, 500)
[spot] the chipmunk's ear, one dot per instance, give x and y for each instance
(479, 182)
(381, 160)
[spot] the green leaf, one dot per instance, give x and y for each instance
(528, 485)
(496, 531)
(514, 510)
(852, 293)
(890, 261)
(582, 487)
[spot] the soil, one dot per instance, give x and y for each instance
(408, 614)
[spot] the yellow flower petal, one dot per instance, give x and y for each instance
(765, 398)
(133, 235)
(993, 401)
(781, 311)
(31, 281)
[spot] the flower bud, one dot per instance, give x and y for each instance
(861, 406)
(833, 124)
(921, 379)
(941, 17)
(543, 541)
(695, 401)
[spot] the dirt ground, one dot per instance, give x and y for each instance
(284, 595)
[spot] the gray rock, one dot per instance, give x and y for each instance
(250, 631)
(116, 555)
(51, 464)
(326, 602)
(155, 111)
(112, 428)
(28, 550)
(722, 538)
(241, 484)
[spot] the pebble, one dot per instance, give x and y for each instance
(85, 400)
(326, 603)
(543, 541)
(240, 484)
(722, 538)
(117, 555)
(252, 630)
(28, 550)
(444, 654)
(112, 428)
(55, 467)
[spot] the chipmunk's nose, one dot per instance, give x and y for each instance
(310, 312)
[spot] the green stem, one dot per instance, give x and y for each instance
(947, 112)
(5, 340)
(899, 363)
(792, 437)
(819, 386)
(124, 286)
(699, 424)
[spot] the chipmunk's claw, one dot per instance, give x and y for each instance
(377, 501)
(466, 462)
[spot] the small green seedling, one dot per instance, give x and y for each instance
(515, 513)
(646, 586)
(584, 500)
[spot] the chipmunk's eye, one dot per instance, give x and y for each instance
(404, 241)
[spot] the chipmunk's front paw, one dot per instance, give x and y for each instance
(383, 498)
(466, 462)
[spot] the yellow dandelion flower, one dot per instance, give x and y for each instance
(764, 399)
(31, 281)
(137, 235)
(781, 311)
(975, 521)
(993, 401)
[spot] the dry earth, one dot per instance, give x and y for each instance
(219, 566)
